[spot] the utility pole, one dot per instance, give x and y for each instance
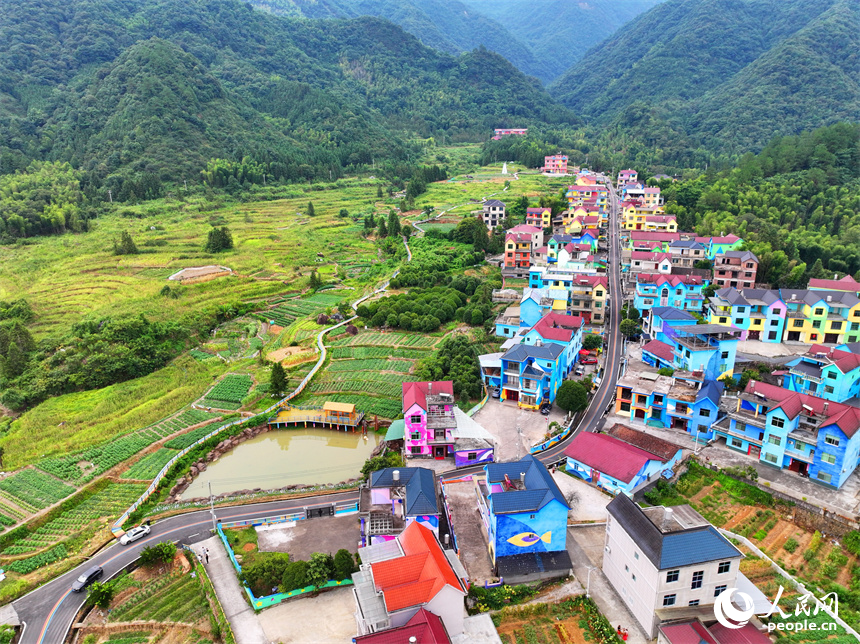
(110, 196)
(186, 185)
(212, 508)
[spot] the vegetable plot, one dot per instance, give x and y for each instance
(150, 465)
(228, 393)
(35, 489)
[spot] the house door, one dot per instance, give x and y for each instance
(439, 452)
(831, 338)
(754, 451)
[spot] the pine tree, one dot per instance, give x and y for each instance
(383, 229)
(311, 211)
(219, 239)
(379, 192)
(393, 224)
(278, 382)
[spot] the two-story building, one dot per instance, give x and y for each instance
(678, 291)
(686, 252)
(627, 176)
(645, 240)
(847, 283)
(555, 164)
(665, 557)
(394, 498)
(525, 515)
(399, 578)
(645, 262)
(493, 213)
(815, 437)
(518, 251)
(428, 412)
(660, 222)
(826, 372)
(645, 195)
(539, 217)
(558, 328)
(537, 302)
(759, 314)
(556, 243)
(735, 268)
(707, 348)
(821, 317)
(720, 245)
(578, 194)
(622, 460)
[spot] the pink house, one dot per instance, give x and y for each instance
(428, 412)
(556, 164)
(627, 176)
(510, 131)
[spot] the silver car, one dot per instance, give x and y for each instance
(134, 534)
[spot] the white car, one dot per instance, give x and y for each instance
(134, 534)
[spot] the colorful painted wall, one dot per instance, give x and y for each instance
(542, 531)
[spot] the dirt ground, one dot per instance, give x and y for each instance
(567, 630)
(469, 530)
(327, 618)
(280, 354)
(198, 271)
(515, 430)
(328, 534)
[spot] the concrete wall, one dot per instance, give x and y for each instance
(550, 522)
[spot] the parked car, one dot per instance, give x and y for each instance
(579, 371)
(589, 360)
(134, 534)
(545, 408)
(495, 392)
(88, 577)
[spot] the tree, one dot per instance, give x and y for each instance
(101, 594)
(592, 341)
(629, 328)
(571, 396)
(126, 245)
(311, 211)
(320, 569)
(219, 239)
(379, 192)
(665, 371)
(383, 229)
(343, 214)
(629, 312)
(314, 281)
(344, 564)
(393, 224)
(278, 380)
(295, 576)
(160, 553)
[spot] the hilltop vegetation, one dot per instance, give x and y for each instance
(725, 73)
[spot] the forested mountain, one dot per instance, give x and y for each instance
(729, 73)
(152, 89)
(559, 32)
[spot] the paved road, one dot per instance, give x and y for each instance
(48, 611)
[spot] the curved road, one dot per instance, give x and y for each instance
(48, 611)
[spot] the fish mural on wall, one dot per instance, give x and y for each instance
(526, 539)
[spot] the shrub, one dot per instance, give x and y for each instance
(808, 555)
(790, 545)
(295, 576)
(815, 543)
(160, 553)
(320, 569)
(344, 564)
(851, 541)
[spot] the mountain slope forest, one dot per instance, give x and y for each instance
(797, 205)
(728, 74)
(136, 93)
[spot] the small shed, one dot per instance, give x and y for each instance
(340, 413)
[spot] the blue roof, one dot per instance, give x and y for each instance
(671, 313)
(420, 486)
(540, 488)
(712, 390)
(695, 546)
(522, 352)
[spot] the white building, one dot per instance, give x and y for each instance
(664, 558)
(493, 213)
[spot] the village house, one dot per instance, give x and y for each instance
(660, 319)
(556, 164)
(735, 268)
(539, 217)
(758, 314)
(518, 251)
(531, 375)
(400, 577)
(646, 262)
(707, 348)
(665, 558)
(493, 213)
(686, 252)
(621, 461)
(557, 242)
(558, 328)
(498, 133)
(826, 372)
(537, 302)
(720, 245)
(847, 284)
(627, 176)
(394, 498)
(678, 291)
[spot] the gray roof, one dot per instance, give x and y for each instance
(732, 295)
(562, 238)
(686, 243)
(494, 202)
(675, 547)
(420, 485)
(671, 313)
(743, 255)
(540, 488)
(522, 352)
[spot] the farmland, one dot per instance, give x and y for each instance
(229, 392)
(175, 597)
(33, 490)
(150, 465)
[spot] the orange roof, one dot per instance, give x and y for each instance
(417, 576)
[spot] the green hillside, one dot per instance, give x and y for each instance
(730, 73)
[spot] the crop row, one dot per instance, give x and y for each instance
(7, 520)
(232, 388)
(12, 512)
(103, 458)
(28, 565)
(184, 440)
(384, 407)
(374, 339)
(343, 353)
(181, 600)
(367, 376)
(35, 488)
(375, 388)
(200, 356)
(111, 501)
(150, 465)
(328, 299)
(369, 364)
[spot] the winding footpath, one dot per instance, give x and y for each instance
(47, 612)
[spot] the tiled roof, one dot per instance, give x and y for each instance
(748, 634)
(845, 361)
(558, 326)
(686, 243)
(518, 237)
(420, 486)
(660, 349)
(653, 257)
(418, 576)
(686, 633)
(673, 280)
(847, 283)
(846, 417)
(743, 255)
(522, 352)
(562, 238)
(655, 445)
(536, 211)
(424, 626)
(608, 455)
(671, 313)
(682, 547)
(525, 228)
(540, 488)
(416, 392)
(712, 390)
(650, 235)
(494, 202)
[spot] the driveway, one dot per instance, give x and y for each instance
(327, 618)
(515, 430)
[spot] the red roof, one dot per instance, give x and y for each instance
(659, 349)
(846, 417)
(558, 326)
(687, 633)
(608, 455)
(518, 237)
(418, 576)
(672, 280)
(590, 280)
(647, 244)
(574, 247)
(654, 257)
(536, 211)
(845, 361)
(525, 228)
(654, 235)
(424, 626)
(662, 449)
(749, 634)
(847, 283)
(659, 219)
(416, 392)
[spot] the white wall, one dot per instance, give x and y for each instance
(449, 605)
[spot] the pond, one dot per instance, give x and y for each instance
(286, 457)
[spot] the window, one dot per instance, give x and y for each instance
(774, 440)
(719, 589)
(836, 326)
(672, 575)
(724, 355)
(771, 335)
(724, 567)
(625, 406)
(626, 568)
(416, 436)
(828, 389)
(770, 458)
(824, 476)
(819, 312)
(831, 440)
(855, 326)
(739, 320)
(723, 320)
(472, 456)
(694, 602)
(828, 458)
(669, 600)
(531, 517)
(635, 555)
(797, 323)
(774, 322)
(415, 450)
(697, 579)
(705, 412)
(776, 421)
(737, 442)
(816, 324)
(415, 419)
(742, 309)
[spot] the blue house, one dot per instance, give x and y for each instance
(814, 437)
(532, 375)
(537, 302)
(707, 348)
(524, 512)
(622, 460)
(660, 317)
(678, 291)
(561, 329)
(832, 374)
(658, 354)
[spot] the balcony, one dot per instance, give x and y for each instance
(695, 344)
(441, 421)
(749, 418)
(683, 412)
(512, 372)
(799, 456)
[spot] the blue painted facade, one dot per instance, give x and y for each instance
(660, 317)
(676, 291)
(827, 373)
(532, 374)
(708, 348)
(759, 314)
(615, 485)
